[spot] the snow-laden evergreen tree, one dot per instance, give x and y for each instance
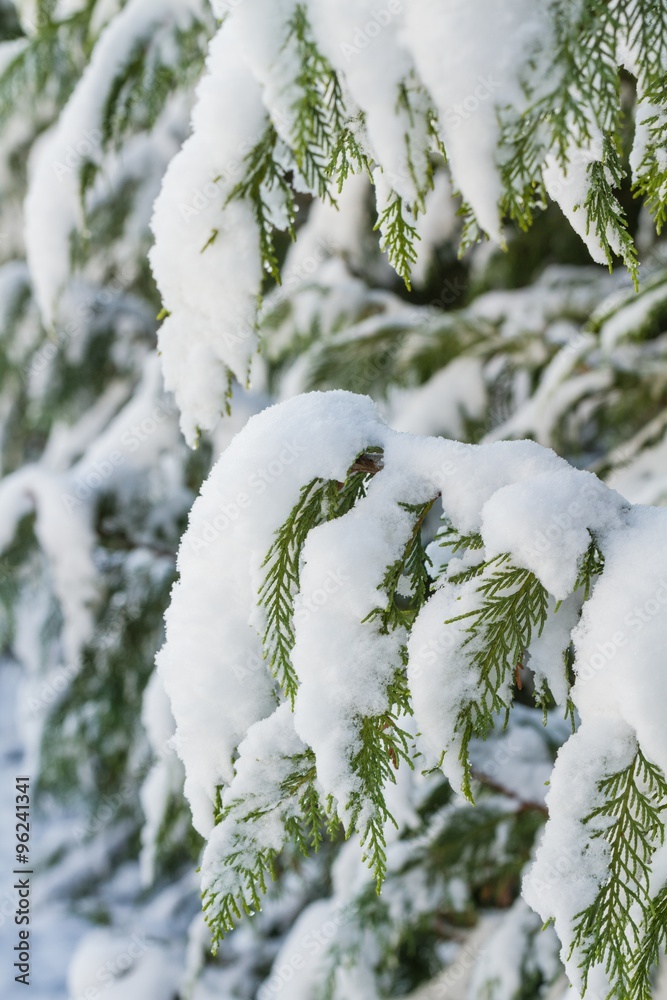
(378, 634)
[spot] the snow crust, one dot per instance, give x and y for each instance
(211, 285)
(526, 503)
(51, 218)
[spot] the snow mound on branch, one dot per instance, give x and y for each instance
(206, 261)
(248, 496)
(527, 505)
(212, 663)
(53, 207)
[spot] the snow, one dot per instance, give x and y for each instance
(501, 967)
(164, 782)
(480, 75)
(525, 502)
(439, 676)
(627, 322)
(440, 405)
(230, 726)
(232, 526)
(558, 513)
(53, 205)
(622, 633)
(570, 867)
(365, 43)
(120, 965)
(248, 495)
(519, 758)
(67, 542)
(343, 662)
(569, 187)
(546, 651)
(211, 294)
(264, 764)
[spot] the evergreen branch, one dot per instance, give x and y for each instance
(470, 231)
(246, 864)
(319, 133)
(630, 822)
(513, 610)
(408, 91)
(604, 214)
(263, 177)
(222, 914)
(54, 55)
(384, 744)
(319, 501)
(398, 237)
(139, 93)
(652, 947)
(347, 155)
(412, 566)
(591, 566)
(281, 583)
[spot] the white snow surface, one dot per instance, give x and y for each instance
(53, 205)
(525, 502)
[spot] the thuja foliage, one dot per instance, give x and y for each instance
(473, 623)
(511, 610)
(571, 118)
(320, 500)
(622, 928)
(328, 142)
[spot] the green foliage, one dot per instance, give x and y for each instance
(591, 566)
(630, 822)
(322, 144)
(653, 947)
(264, 177)
(384, 744)
(138, 95)
(399, 236)
(321, 138)
(115, 668)
(281, 583)
(605, 214)
(319, 501)
(248, 862)
(512, 611)
(411, 571)
(579, 107)
(48, 63)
